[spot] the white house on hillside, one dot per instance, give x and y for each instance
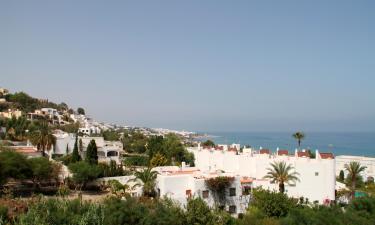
(317, 175)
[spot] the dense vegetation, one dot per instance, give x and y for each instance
(266, 208)
(155, 150)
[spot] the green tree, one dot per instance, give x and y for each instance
(272, 204)
(80, 146)
(81, 111)
(13, 165)
(198, 212)
(281, 173)
(147, 178)
(354, 170)
(299, 136)
(43, 138)
(75, 155)
(42, 170)
(341, 177)
(83, 172)
(158, 160)
(208, 143)
(92, 153)
(155, 145)
(111, 135)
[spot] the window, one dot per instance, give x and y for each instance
(246, 190)
(316, 174)
(188, 193)
(205, 194)
(232, 191)
(232, 209)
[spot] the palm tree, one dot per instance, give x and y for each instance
(354, 173)
(147, 177)
(281, 173)
(43, 138)
(299, 136)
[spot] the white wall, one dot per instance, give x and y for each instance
(315, 187)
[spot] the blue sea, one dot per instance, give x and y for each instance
(339, 143)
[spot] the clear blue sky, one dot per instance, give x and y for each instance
(198, 65)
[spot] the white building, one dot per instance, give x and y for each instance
(317, 175)
(107, 150)
(368, 162)
(183, 183)
(11, 113)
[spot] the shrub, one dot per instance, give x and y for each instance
(272, 204)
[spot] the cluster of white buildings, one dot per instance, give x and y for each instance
(182, 183)
(369, 163)
(107, 150)
(316, 175)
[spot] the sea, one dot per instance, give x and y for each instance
(339, 143)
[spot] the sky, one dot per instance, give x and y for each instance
(197, 65)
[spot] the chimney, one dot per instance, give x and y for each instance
(317, 155)
(296, 153)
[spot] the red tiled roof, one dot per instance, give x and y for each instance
(264, 151)
(303, 154)
(232, 149)
(327, 155)
(283, 152)
(25, 149)
(246, 180)
(219, 148)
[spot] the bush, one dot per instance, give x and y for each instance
(272, 204)
(136, 160)
(3, 214)
(53, 211)
(83, 172)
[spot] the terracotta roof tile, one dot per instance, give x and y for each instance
(327, 155)
(303, 154)
(264, 151)
(283, 152)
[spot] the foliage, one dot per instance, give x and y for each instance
(147, 177)
(43, 138)
(299, 136)
(63, 191)
(155, 145)
(134, 142)
(16, 128)
(272, 204)
(198, 212)
(158, 160)
(53, 211)
(111, 170)
(81, 111)
(42, 169)
(354, 178)
(218, 187)
(75, 155)
(281, 173)
(92, 153)
(136, 160)
(3, 214)
(111, 135)
(117, 188)
(13, 165)
(83, 172)
(69, 128)
(124, 212)
(341, 177)
(66, 159)
(208, 143)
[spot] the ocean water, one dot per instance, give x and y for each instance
(339, 143)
